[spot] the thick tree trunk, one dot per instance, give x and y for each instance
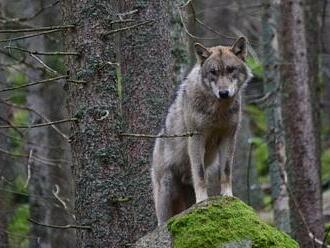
(275, 132)
(128, 77)
(301, 143)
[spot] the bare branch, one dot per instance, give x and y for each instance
(13, 154)
(41, 124)
(27, 30)
(128, 27)
(140, 135)
(41, 53)
(34, 83)
(30, 35)
(44, 64)
(37, 113)
(185, 26)
(56, 192)
(60, 227)
(28, 169)
(28, 18)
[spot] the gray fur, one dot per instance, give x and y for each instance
(188, 169)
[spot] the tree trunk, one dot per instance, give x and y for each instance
(275, 132)
(5, 169)
(182, 45)
(312, 12)
(325, 50)
(128, 78)
(301, 143)
(47, 144)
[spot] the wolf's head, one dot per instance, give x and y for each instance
(223, 69)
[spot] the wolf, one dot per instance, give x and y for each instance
(194, 156)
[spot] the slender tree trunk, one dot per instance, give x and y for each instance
(275, 132)
(301, 143)
(128, 77)
(182, 44)
(325, 59)
(245, 178)
(47, 144)
(312, 12)
(5, 170)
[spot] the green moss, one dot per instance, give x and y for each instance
(256, 66)
(223, 220)
(325, 161)
(19, 227)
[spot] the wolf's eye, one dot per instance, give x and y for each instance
(213, 71)
(230, 69)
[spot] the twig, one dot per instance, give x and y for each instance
(56, 193)
(41, 53)
(37, 113)
(296, 206)
(25, 30)
(128, 27)
(60, 227)
(131, 12)
(28, 169)
(43, 64)
(10, 124)
(189, 3)
(186, 29)
(248, 172)
(40, 159)
(41, 124)
(140, 135)
(34, 83)
(30, 35)
(13, 154)
(261, 99)
(37, 13)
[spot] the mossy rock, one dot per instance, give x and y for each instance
(220, 222)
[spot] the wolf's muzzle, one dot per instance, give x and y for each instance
(224, 94)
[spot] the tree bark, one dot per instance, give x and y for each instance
(275, 132)
(312, 12)
(49, 101)
(301, 142)
(127, 69)
(325, 59)
(5, 169)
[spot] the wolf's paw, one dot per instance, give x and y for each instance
(227, 191)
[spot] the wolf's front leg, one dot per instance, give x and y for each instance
(196, 150)
(226, 157)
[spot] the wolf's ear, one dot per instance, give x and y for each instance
(202, 52)
(239, 48)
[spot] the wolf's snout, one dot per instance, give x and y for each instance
(224, 94)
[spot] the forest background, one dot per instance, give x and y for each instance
(85, 85)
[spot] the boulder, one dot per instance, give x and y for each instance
(220, 222)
